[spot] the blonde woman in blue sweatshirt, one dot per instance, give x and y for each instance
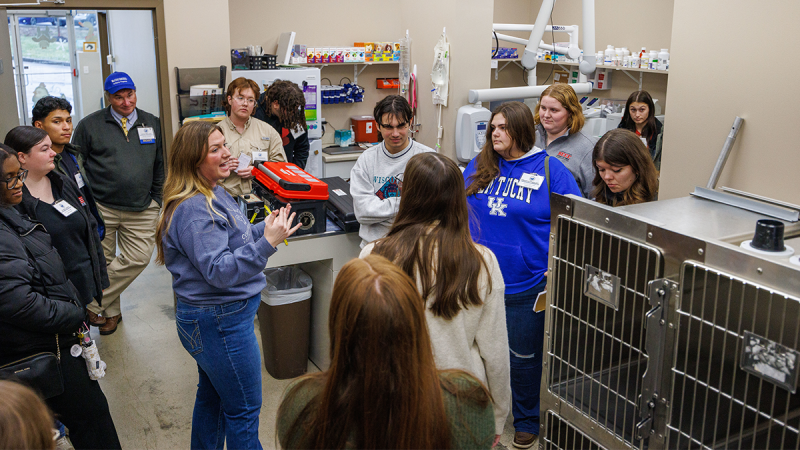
(217, 259)
(509, 202)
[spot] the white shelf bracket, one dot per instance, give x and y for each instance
(639, 81)
(357, 72)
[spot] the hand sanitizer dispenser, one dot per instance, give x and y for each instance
(472, 123)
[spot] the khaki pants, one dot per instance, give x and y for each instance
(135, 233)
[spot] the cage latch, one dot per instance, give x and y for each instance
(655, 340)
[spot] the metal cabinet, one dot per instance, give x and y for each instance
(662, 333)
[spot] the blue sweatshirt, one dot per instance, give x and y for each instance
(514, 221)
(215, 260)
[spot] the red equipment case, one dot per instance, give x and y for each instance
(281, 183)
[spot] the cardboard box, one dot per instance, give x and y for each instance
(560, 76)
(339, 55)
(396, 52)
(311, 55)
(369, 51)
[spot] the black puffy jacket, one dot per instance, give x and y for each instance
(71, 194)
(36, 298)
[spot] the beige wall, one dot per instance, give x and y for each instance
(198, 35)
(9, 117)
(752, 81)
(622, 23)
(362, 20)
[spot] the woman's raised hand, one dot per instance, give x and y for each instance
(279, 225)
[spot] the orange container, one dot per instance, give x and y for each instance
(365, 127)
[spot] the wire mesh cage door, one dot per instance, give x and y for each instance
(735, 375)
(595, 338)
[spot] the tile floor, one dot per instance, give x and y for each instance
(151, 381)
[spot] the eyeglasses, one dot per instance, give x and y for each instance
(249, 101)
(11, 183)
(400, 127)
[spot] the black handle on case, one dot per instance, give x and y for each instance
(288, 185)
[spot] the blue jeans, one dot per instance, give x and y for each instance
(525, 342)
(221, 340)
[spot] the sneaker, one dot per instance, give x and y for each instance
(111, 325)
(95, 320)
(524, 440)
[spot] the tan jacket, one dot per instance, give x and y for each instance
(258, 136)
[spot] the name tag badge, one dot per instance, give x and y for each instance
(79, 180)
(146, 135)
(298, 131)
(260, 156)
(64, 208)
(531, 180)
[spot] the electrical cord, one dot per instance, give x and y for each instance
(348, 79)
(496, 44)
(326, 78)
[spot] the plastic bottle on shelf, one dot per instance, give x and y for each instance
(643, 58)
(626, 61)
(609, 56)
(598, 58)
(635, 61)
(653, 60)
(618, 55)
(626, 51)
(663, 59)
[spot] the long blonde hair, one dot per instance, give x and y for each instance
(189, 149)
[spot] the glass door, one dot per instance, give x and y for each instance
(43, 48)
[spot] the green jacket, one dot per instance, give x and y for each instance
(123, 173)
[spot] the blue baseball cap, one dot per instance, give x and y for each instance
(118, 81)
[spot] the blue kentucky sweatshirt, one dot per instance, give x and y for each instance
(513, 220)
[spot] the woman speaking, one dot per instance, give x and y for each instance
(217, 259)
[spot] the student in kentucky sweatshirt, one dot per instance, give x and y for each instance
(507, 194)
(376, 180)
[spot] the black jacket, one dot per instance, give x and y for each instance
(124, 173)
(653, 142)
(70, 193)
(296, 149)
(70, 162)
(36, 298)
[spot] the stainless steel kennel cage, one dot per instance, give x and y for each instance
(662, 333)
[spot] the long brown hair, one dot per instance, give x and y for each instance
(431, 233)
(189, 149)
(650, 127)
(566, 96)
(25, 420)
(521, 130)
(621, 147)
(382, 389)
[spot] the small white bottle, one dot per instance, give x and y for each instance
(626, 61)
(598, 58)
(643, 58)
(626, 51)
(663, 59)
(653, 60)
(609, 56)
(618, 55)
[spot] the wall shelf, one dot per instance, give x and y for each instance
(356, 70)
(565, 64)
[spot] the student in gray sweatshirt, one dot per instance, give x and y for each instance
(376, 180)
(216, 258)
(559, 119)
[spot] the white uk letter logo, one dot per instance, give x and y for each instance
(498, 207)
